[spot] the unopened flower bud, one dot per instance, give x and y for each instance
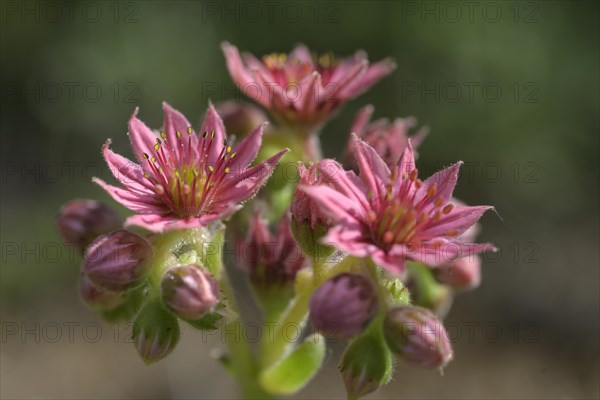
(118, 260)
(270, 259)
(155, 332)
(464, 274)
(189, 291)
(367, 362)
(240, 117)
(343, 306)
(98, 298)
(309, 222)
(388, 138)
(418, 336)
(81, 221)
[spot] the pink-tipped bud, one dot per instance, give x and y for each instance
(309, 222)
(418, 336)
(155, 332)
(189, 291)
(270, 259)
(98, 298)
(118, 260)
(81, 221)
(240, 117)
(343, 306)
(304, 208)
(464, 274)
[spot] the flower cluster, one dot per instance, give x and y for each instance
(366, 251)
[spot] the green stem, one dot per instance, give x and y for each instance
(165, 247)
(244, 365)
(276, 342)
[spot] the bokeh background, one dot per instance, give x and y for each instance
(511, 88)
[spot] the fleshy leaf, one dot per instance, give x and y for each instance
(293, 372)
(206, 323)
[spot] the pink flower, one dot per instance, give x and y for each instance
(389, 139)
(392, 216)
(185, 180)
(299, 88)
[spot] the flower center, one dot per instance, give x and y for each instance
(288, 72)
(182, 174)
(406, 211)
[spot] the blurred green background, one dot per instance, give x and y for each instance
(511, 88)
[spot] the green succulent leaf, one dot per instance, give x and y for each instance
(294, 371)
(207, 323)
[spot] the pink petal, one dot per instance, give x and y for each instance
(173, 122)
(213, 123)
(457, 221)
(349, 239)
(236, 67)
(166, 222)
(311, 89)
(344, 182)
(362, 119)
(371, 76)
(265, 167)
(248, 148)
(406, 163)
(340, 207)
(344, 82)
(445, 181)
(134, 201)
(394, 264)
(373, 170)
(126, 171)
(302, 54)
(142, 140)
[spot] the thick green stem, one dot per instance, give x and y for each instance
(277, 341)
(244, 365)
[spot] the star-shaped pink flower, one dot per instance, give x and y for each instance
(300, 88)
(391, 215)
(183, 179)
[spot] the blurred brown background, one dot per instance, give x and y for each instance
(509, 87)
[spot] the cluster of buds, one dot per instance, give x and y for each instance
(366, 251)
(115, 272)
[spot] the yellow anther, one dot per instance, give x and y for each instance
(447, 209)
(156, 146)
(178, 134)
(189, 130)
(228, 149)
(413, 174)
(431, 190)
(163, 135)
(227, 170)
(146, 156)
